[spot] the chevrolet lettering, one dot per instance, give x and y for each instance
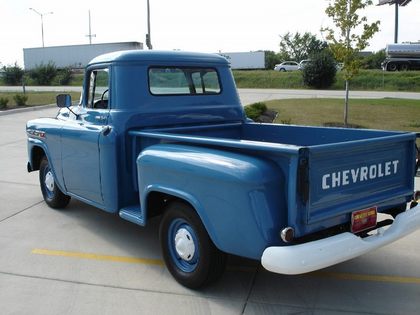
(164, 135)
(360, 174)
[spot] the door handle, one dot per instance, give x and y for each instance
(106, 130)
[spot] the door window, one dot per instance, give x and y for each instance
(98, 96)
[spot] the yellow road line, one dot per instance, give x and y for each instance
(361, 277)
(123, 259)
(158, 262)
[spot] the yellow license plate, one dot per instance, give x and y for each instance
(363, 220)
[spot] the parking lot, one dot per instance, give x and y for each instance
(81, 260)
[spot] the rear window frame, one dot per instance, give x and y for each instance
(184, 68)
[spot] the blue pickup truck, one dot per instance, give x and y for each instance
(164, 134)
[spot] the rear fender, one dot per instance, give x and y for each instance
(239, 198)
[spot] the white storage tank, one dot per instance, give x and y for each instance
(403, 50)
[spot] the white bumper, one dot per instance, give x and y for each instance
(319, 254)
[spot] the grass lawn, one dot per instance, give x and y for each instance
(34, 98)
(366, 80)
(388, 114)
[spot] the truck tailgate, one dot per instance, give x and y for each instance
(354, 175)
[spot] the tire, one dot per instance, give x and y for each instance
(282, 70)
(188, 252)
(53, 196)
(404, 67)
(392, 67)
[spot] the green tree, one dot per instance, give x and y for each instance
(351, 35)
(271, 59)
(320, 71)
(44, 74)
(373, 61)
(299, 46)
(13, 75)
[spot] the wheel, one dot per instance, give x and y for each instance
(282, 70)
(392, 67)
(404, 67)
(189, 254)
(53, 196)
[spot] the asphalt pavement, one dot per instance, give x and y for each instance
(81, 260)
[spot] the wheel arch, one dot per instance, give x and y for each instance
(37, 150)
(156, 198)
(36, 154)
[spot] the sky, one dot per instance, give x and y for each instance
(190, 25)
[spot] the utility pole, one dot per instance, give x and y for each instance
(148, 37)
(90, 32)
(42, 22)
(396, 23)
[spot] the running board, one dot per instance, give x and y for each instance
(132, 214)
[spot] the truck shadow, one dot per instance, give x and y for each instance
(143, 242)
(245, 283)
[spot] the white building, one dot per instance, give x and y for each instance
(74, 56)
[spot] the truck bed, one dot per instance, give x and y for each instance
(270, 134)
(330, 172)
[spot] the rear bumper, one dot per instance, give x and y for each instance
(319, 254)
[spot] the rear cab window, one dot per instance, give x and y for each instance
(183, 81)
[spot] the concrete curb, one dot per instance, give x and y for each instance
(24, 109)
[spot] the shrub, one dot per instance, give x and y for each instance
(65, 76)
(373, 61)
(20, 99)
(3, 102)
(286, 121)
(271, 59)
(255, 110)
(13, 74)
(320, 72)
(44, 74)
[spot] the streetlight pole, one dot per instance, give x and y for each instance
(396, 23)
(42, 22)
(148, 37)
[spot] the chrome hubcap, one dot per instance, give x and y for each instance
(49, 181)
(184, 244)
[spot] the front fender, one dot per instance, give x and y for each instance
(239, 198)
(44, 138)
(36, 149)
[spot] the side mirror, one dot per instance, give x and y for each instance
(63, 100)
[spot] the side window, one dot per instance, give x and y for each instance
(98, 96)
(183, 81)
